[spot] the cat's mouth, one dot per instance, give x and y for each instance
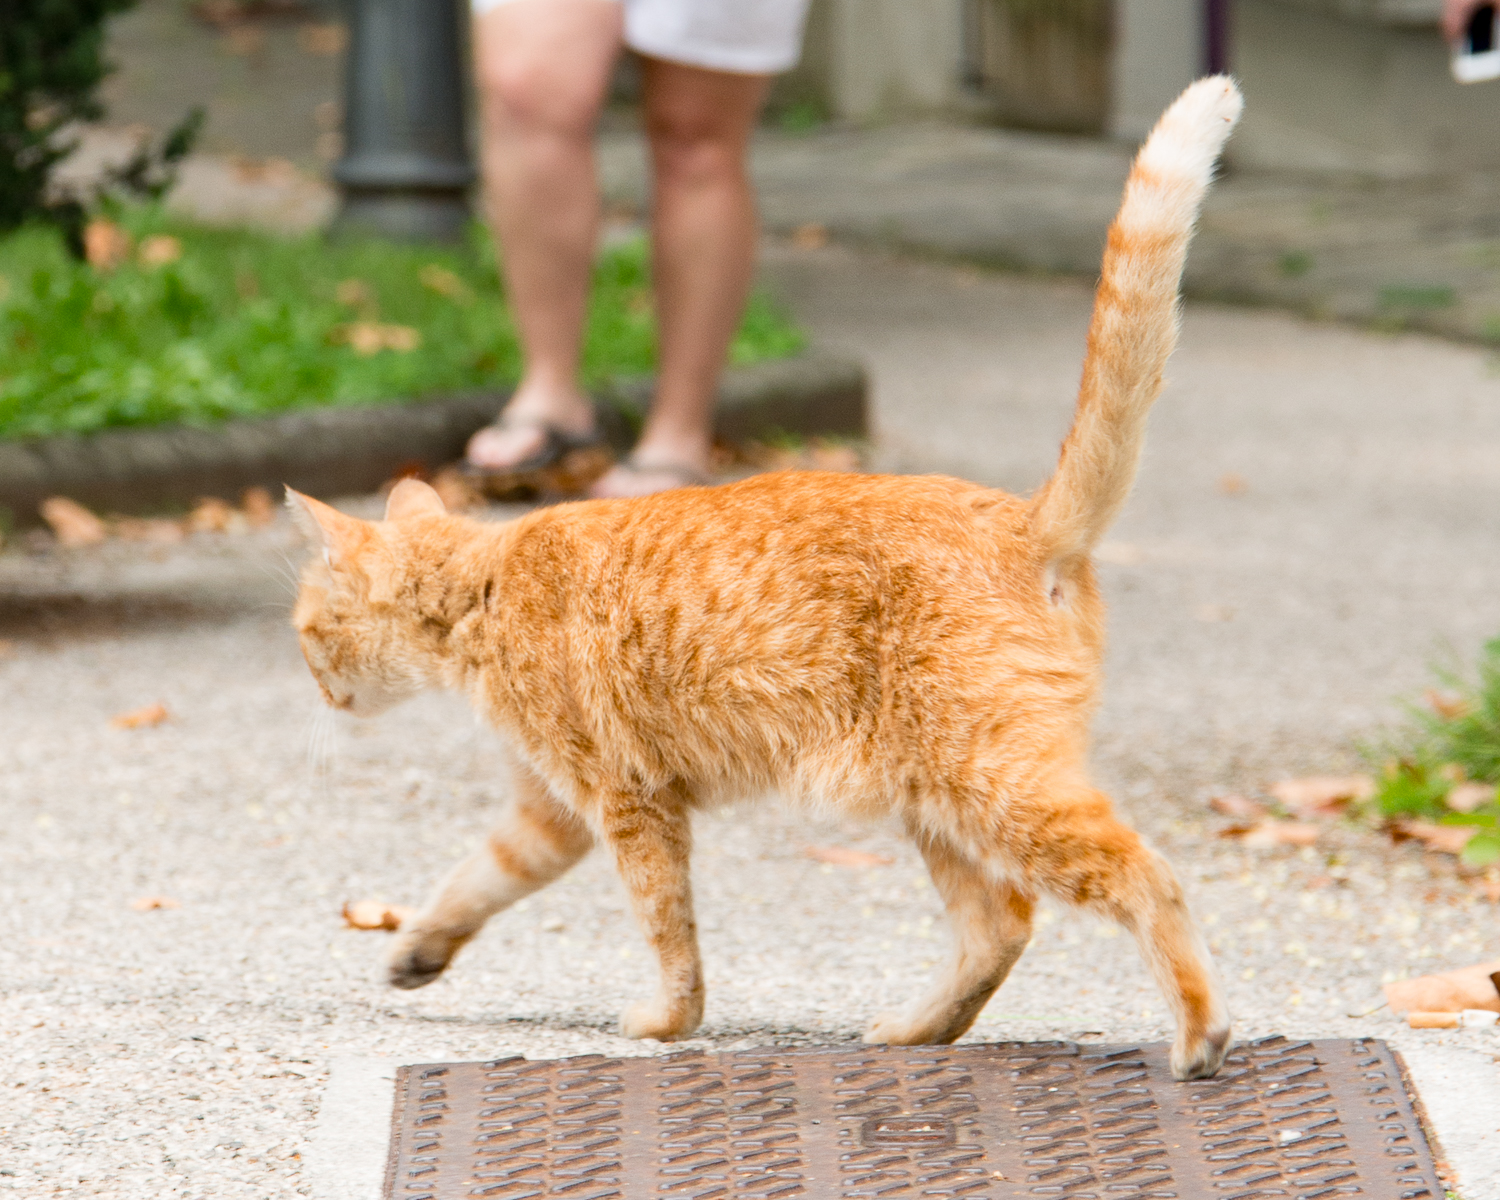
(342, 703)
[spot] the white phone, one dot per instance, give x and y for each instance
(1477, 57)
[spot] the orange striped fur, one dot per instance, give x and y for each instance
(920, 649)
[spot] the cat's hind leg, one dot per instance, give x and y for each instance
(1084, 854)
(991, 923)
(651, 839)
(536, 840)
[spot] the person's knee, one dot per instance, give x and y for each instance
(540, 93)
(695, 153)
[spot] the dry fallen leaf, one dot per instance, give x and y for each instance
(1241, 808)
(141, 718)
(402, 338)
(212, 515)
(1489, 886)
(105, 244)
(1322, 795)
(1267, 834)
(258, 507)
(73, 524)
(810, 236)
(376, 914)
(455, 490)
(158, 250)
(842, 856)
(1446, 839)
(371, 337)
(148, 903)
(1445, 704)
(444, 282)
(274, 171)
(1466, 797)
(147, 529)
(1450, 991)
(355, 293)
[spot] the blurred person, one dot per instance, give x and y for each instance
(543, 69)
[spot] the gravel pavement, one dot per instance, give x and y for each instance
(185, 1051)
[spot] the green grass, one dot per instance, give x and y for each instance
(1415, 297)
(1445, 746)
(1294, 264)
(249, 324)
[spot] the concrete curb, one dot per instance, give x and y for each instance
(346, 1160)
(1460, 1089)
(332, 451)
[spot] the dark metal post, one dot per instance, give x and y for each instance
(1216, 36)
(406, 170)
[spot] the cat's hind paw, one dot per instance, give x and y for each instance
(1200, 1057)
(897, 1029)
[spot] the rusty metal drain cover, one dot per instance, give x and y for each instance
(1284, 1120)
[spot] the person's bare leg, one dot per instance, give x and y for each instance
(703, 229)
(543, 68)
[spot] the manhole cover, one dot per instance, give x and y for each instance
(1284, 1120)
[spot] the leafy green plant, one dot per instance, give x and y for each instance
(198, 325)
(51, 65)
(1451, 752)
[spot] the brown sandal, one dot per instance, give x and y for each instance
(564, 462)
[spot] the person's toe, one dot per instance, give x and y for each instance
(498, 447)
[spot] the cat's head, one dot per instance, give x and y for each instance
(361, 636)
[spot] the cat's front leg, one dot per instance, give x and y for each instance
(535, 842)
(651, 840)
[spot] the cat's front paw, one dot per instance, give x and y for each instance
(417, 957)
(1202, 1056)
(655, 1020)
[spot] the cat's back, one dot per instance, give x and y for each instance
(850, 605)
(798, 530)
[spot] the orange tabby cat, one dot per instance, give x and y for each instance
(914, 647)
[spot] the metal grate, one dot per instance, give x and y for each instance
(1283, 1120)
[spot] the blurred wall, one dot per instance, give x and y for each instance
(1356, 85)
(867, 60)
(1158, 51)
(1331, 85)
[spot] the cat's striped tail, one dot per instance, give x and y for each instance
(1134, 328)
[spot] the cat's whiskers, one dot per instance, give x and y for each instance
(283, 573)
(322, 745)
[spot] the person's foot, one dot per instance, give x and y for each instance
(521, 431)
(639, 476)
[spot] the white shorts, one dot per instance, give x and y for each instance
(749, 37)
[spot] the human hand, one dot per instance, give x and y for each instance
(1456, 17)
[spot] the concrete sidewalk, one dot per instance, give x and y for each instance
(200, 1052)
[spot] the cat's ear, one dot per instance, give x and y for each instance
(411, 498)
(340, 536)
